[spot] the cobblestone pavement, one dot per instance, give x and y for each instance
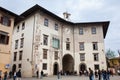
(68, 78)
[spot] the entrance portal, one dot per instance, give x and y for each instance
(68, 64)
(55, 68)
(82, 68)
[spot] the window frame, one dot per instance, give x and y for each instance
(81, 46)
(15, 56)
(67, 45)
(93, 30)
(44, 66)
(45, 39)
(81, 31)
(82, 56)
(45, 53)
(96, 56)
(95, 45)
(46, 22)
(4, 38)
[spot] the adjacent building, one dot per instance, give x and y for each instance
(44, 41)
(7, 19)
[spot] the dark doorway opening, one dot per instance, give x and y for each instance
(55, 68)
(82, 68)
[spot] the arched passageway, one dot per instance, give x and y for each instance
(68, 64)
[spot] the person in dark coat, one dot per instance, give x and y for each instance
(37, 73)
(41, 74)
(99, 75)
(19, 75)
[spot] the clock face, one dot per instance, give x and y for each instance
(67, 30)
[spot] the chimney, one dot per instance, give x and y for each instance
(66, 16)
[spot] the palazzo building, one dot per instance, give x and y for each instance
(44, 41)
(7, 19)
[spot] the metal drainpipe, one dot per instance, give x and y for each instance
(32, 55)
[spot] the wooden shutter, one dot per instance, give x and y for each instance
(9, 22)
(7, 40)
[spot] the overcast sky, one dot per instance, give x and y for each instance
(81, 11)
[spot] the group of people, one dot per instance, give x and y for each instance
(11, 74)
(100, 75)
(41, 74)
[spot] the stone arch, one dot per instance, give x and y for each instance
(68, 64)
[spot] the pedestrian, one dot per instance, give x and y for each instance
(104, 74)
(96, 74)
(108, 75)
(59, 74)
(5, 75)
(37, 73)
(10, 74)
(91, 76)
(19, 75)
(0, 74)
(99, 75)
(41, 74)
(14, 75)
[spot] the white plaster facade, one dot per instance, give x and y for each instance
(32, 57)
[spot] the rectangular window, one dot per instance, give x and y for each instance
(45, 39)
(93, 30)
(81, 31)
(67, 45)
(22, 42)
(16, 44)
(44, 66)
(96, 58)
(45, 53)
(4, 38)
(5, 21)
(56, 55)
(95, 46)
(56, 27)
(96, 67)
(82, 57)
(23, 25)
(55, 43)
(46, 22)
(20, 55)
(19, 65)
(18, 27)
(81, 46)
(15, 56)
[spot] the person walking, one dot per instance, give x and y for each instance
(59, 74)
(14, 75)
(10, 74)
(37, 73)
(96, 75)
(91, 76)
(0, 74)
(19, 75)
(5, 75)
(99, 75)
(41, 74)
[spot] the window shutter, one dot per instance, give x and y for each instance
(7, 40)
(9, 22)
(1, 20)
